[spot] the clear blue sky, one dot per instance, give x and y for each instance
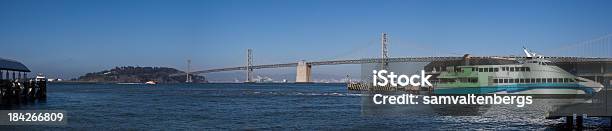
(73, 37)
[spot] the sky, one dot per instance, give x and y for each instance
(68, 38)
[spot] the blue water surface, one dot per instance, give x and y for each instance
(248, 106)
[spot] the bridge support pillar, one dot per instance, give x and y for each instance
(303, 72)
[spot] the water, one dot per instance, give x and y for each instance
(249, 106)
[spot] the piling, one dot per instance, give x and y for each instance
(569, 122)
(22, 91)
(579, 122)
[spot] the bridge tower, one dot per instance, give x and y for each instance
(188, 80)
(385, 55)
(249, 70)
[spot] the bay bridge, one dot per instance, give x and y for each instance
(598, 67)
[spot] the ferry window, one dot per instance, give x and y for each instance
(527, 69)
(549, 80)
(516, 80)
(533, 80)
(527, 80)
(505, 80)
(573, 80)
(496, 69)
(521, 80)
(495, 81)
(538, 80)
(480, 70)
(511, 68)
(503, 68)
(521, 69)
(511, 81)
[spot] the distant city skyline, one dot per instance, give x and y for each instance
(68, 38)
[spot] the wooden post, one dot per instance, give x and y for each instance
(579, 122)
(569, 122)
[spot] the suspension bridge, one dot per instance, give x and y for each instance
(599, 48)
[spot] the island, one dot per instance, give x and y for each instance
(131, 74)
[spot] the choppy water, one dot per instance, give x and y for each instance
(249, 106)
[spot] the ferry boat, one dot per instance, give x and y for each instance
(535, 75)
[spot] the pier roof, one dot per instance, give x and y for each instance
(12, 65)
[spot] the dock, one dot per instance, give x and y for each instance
(16, 87)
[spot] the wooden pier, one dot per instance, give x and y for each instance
(17, 91)
(15, 86)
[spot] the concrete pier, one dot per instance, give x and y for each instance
(303, 72)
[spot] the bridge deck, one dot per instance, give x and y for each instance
(407, 59)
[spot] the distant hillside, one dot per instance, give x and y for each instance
(130, 74)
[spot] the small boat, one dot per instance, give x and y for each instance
(150, 83)
(40, 77)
